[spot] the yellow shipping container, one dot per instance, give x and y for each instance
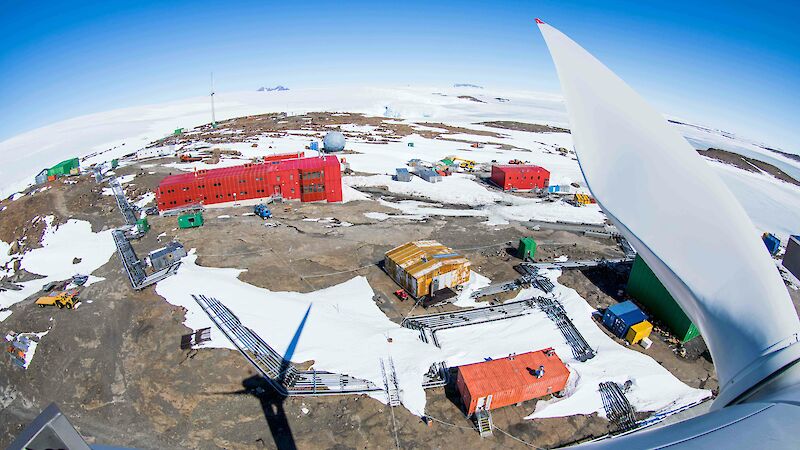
(423, 267)
(638, 332)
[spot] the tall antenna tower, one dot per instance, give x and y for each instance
(213, 114)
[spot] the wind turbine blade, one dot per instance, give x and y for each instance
(682, 219)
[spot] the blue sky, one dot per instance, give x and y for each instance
(733, 65)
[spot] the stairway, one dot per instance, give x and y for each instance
(390, 384)
(483, 420)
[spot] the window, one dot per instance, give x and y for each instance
(243, 193)
(202, 186)
(185, 189)
(278, 179)
(291, 176)
(242, 181)
(292, 190)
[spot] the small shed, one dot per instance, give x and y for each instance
(527, 248)
(620, 317)
(41, 177)
(424, 267)
(791, 259)
(429, 175)
(772, 242)
(166, 256)
(638, 331)
(403, 175)
(190, 220)
(506, 381)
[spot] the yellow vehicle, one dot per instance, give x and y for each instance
(66, 299)
(463, 163)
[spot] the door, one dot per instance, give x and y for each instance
(276, 190)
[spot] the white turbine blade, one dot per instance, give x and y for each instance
(681, 218)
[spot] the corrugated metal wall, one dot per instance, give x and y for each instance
(645, 287)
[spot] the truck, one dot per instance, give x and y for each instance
(64, 299)
(262, 211)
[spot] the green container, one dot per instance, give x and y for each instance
(447, 162)
(190, 220)
(142, 225)
(178, 131)
(114, 163)
(527, 248)
(64, 167)
(654, 297)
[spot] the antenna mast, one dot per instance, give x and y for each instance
(213, 115)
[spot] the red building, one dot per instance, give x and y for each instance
(510, 380)
(307, 179)
(521, 177)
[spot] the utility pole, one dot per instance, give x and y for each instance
(213, 114)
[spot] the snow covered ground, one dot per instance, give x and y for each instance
(114, 133)
(346, 317)
(54, 260)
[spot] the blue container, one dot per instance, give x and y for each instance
(314, 146)
(619, 318)
(772, 242)
(552, 188)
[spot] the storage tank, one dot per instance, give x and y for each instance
(333, 142)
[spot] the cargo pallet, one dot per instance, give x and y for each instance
(429, 324)
(134, 267)
(280, 373)
(618, 409)
(124, 207)
(555, 311)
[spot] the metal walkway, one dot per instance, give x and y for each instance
(618, 409)
(124, 207)
(134, 267)
(584, 264)
(529, 277)
(281, 374)
(429, 324)
(555, 311)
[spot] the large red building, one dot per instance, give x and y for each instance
(523, 177)
(308, 179)
(506, 381)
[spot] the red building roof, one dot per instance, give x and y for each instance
(269, 166)
(512, 379)
(519, 167)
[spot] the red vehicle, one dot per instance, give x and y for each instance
(401, 294)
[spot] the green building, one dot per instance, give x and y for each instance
(142, 225)
(190, 220)
(645, 287)
(527, 248)
(64, 168)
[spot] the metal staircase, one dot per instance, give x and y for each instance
(483, 421)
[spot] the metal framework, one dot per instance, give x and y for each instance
(618, 409)
(124, 207)
(429, 324)
(555, 311)
(280, 373)
(134, 267)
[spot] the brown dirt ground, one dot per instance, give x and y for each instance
(115, 367)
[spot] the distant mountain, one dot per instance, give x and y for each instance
(276, 88)
(467, 85)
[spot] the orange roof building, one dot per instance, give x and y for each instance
(510, 380)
